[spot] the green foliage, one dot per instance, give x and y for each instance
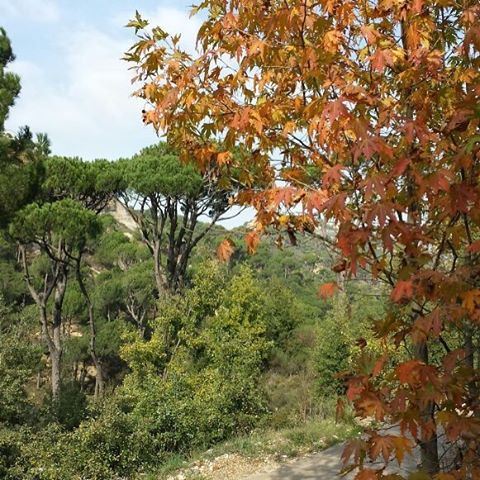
(332, 351)
(206, 386)
(351, 318)
(91, 183)
(19, 358)
(12, 284)
(157, 170)
(66, 219)
(71, 406)
(20, 168)
(9, 82)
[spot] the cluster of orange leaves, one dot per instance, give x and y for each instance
(364, 114)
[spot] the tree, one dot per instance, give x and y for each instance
(19, 168)
(19, 357)
(9, 82)
(128, 284)
(332, 352)
(206, 383)
(167, 199)
(373, 108)
(92, 185)
(49, 237)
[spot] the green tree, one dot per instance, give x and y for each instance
(205, 385)
(332, 351)
(19, 358)
(9, 82)
(55, 231)
(167, 199)
(20, 169)
(92, 185)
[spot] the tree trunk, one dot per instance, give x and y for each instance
(99, 376)
(83, 372)
(56, 361)
(56, 350)
(157, 268)
(99, 379)
(430, 462)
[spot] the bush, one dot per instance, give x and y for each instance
(70, 408)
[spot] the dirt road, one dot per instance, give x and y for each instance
(324, 465)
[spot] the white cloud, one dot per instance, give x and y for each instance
(38, 10)
(85, 104)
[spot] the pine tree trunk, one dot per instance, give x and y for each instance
(99, 376)
(56, 350)
(55, 359)
(157, 268)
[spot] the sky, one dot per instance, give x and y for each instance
(75, 87)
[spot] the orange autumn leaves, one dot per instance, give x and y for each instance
(226, 247)
(364, 115)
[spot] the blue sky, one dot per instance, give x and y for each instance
(74, 85)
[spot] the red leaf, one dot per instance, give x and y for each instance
(380, 59)
(403, 290)
(400, 166)
(355, 388)
(353, 448)
(408, 372)
(366, 474)
(381, 444)
(402, 445)
(332, 176)
(327, 290)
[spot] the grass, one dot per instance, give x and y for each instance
(303, 438)
(312, 436)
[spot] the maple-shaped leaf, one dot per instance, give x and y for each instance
(225, 249)
(334, 110)
(403, 290)
(371, 405)
(332, 40)
(380, 59)
(381, 445)
(327, 290)
(370, 33)
(402, 445)
(332, 176)
(354, 448)
(252, 239)
(407, 372)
